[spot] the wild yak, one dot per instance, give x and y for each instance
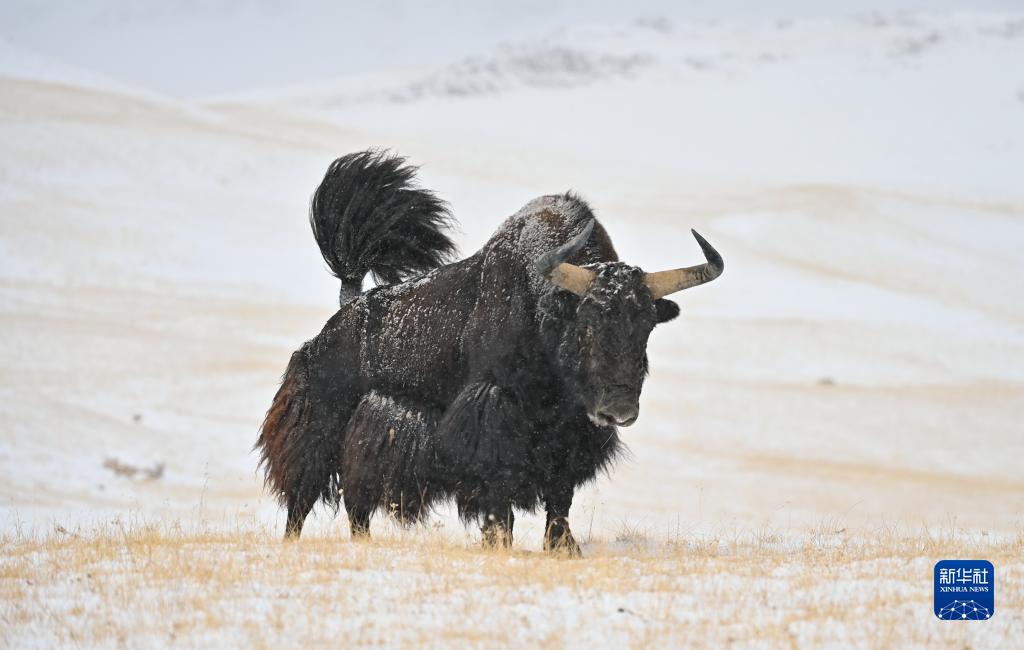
(497, 381)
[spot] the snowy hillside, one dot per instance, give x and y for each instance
(862, 358)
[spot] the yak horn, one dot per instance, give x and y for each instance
(552, 264)
(663, 283)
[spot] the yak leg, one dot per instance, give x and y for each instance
(359, 509)
(482, 435)
(359, 524)
(386, 462)
(298, 510)
(497, 527)
(359, 505)
(557, 536)
(300, 440)
(301, 502)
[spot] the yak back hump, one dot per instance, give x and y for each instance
(502, 330)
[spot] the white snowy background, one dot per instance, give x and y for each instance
(860, 166)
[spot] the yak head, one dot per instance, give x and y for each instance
(603, 315)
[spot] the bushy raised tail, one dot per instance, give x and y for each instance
(369, 216)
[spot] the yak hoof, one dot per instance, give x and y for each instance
(565, 546)
(496, 537)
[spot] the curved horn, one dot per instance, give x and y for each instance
(663, 283)
(552, 264)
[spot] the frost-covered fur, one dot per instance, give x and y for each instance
(479, 381)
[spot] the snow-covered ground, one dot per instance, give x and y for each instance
(134, 585)
(861, 360)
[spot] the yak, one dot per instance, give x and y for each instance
(497, 381)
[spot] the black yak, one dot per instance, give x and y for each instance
(497, 381)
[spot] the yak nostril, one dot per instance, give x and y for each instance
(621, 417)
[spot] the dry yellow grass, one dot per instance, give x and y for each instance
(144, 585)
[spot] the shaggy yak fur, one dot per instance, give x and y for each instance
(480, 380)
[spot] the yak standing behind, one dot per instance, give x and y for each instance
(497, 381)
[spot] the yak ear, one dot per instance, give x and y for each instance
(666, 310)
